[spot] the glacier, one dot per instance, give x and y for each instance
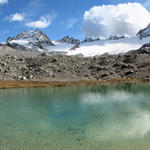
(90, 49)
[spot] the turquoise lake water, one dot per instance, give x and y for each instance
(106, 117)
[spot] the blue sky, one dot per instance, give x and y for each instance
(61, 17)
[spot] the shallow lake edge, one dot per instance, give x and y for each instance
(31, 83)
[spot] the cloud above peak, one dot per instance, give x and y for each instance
(43, 22)
(3, 2)
(122, 19)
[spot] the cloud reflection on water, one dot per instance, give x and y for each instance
(123, 115)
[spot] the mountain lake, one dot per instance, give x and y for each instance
(100, 117)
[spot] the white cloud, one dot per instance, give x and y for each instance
(17, 17)
(14, 17)
(3, 2)
(122, 19)
(71, 23)
(43, 22)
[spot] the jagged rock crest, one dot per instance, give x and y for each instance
(31, 39)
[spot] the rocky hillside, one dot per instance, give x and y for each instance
(28, 65)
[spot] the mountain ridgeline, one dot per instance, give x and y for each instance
(38, 41)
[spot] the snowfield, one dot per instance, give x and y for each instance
(60, 47)
(91, 49)
(20, 42)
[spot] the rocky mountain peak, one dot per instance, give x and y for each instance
(144, 32)
(32, 39)
(32, 36)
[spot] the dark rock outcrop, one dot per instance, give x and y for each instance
(115, 37)
(69, 40)
(90, 40)
(145, 49)
(18, 47)
(75, 47)
(144, 32)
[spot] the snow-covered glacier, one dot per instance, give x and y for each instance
(90, 49)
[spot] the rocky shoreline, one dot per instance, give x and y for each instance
(34, 84)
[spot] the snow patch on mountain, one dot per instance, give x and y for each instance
(59, 46)
(21, 42)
